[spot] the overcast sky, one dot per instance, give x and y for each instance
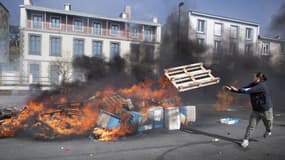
(259, 11)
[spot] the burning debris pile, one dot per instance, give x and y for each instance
(8, 112)
(110, 113)
(55, 117)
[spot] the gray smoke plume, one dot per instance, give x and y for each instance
(278, 22)
(177, 49)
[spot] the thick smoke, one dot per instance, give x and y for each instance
(100, 74)
(178, 49)
(278, 22)
(230, 65)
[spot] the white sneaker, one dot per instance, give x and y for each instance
(244, 143)
(266, 134)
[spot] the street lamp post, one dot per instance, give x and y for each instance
(178, 25)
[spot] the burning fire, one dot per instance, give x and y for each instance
(112, 134)
(59, 117)
(225, 99)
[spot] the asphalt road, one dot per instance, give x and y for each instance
(204, 139)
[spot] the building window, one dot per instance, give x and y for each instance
(55, 46)
(35, 72)
(200, 41)
(37, 21)
(134, 32)
(217, 46)
(248, 49)
(265, 48)
(234, 32)
(54, 74)
(233, 47)
(282, 47)
(147, 34)
(78, 45)
(248, 33)
(201, 26)
(115, 49)
(55, 22)
(115, 29)
(97, 48)
(218, 29)
(97, 27)
(78, 24)
(35, 45)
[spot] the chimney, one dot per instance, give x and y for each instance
(123, 15)
(67, 7)
(128, 11)
(154, 19)
(28, 2)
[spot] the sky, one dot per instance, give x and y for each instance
(258, 11)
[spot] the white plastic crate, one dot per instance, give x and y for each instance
(155, 117)
(188, 114)
(172, 118)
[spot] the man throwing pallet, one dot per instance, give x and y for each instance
(261, 105)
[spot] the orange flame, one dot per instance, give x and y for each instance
(102, 134)
(225, 99)
(59, 116)
(10, 126)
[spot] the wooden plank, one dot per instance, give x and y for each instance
(195, 75)
(181, 67)
(195, 87)
(190, 77)
(187, 78)
(189, 85)
(205, 80)
(181, 70)
(114, 100)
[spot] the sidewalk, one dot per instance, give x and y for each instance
(12, 100)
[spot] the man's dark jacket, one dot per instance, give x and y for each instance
(259, 96)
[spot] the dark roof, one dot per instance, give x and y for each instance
(4, 7)
(271, 39)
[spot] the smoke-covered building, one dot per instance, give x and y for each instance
(51, 35)
(230, 35)
(4, 33)
(271, 46)
(223, 34)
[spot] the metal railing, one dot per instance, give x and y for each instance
(24, 82)
(89, 30)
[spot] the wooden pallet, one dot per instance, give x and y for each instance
(190, 76)
(114, 100)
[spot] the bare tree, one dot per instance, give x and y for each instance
(62, 67)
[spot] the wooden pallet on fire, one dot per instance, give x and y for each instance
(190, 76)
(118, 100)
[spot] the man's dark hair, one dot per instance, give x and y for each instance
(261, 76)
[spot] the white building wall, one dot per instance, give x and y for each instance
(67, 50)
(209, 35)
(274, 46)
(67, 39)
(23, 17)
